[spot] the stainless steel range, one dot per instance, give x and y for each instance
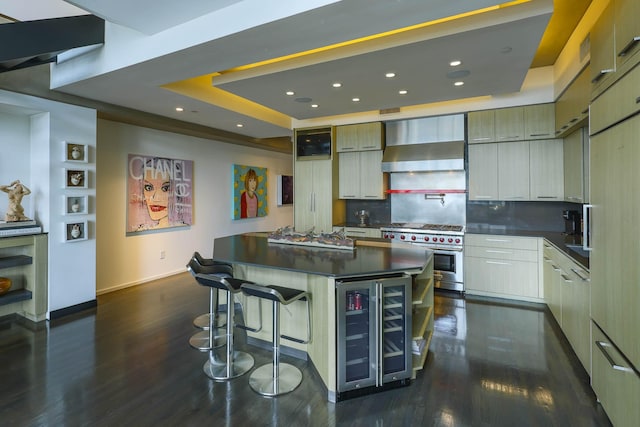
(447, 243)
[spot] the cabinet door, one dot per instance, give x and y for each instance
(627, 27)
(481, 126)
(513, 278)
(483, 172)
(576, 321)
(372, 180)
(615, 230)
(603, 55)
(510, 124)
(323, 196)
(359, 137)
(303, 195)
(513, 171)
(539, 121)
(573, 167)
(546, 170)
(349, 175)
(346, 138)
(552, 285)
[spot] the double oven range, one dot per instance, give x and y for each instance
(446, 241)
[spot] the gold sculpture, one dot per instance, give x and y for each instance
(16, 191)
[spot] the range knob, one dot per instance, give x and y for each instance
(450, 240)
(426, 238)
(442, 240)
(458, 240)
(392, 236)
(413, 237)
(402, 237)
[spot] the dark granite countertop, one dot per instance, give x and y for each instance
(367, 260)
(357, 224)
(556, 238)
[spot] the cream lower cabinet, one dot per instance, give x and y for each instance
(360, 175)
(502, 266)
(551, 280)
(355, 232)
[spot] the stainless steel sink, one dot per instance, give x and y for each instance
(579, 250)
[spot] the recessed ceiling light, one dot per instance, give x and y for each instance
(314, 105)
(402, 92)
(337, 84)
(290, 93)
(355, 99)
(455, 63)
(239, 125)
(458, 83)
(179, 109)
(390, 75)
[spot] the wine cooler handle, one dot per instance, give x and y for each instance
(379, 337)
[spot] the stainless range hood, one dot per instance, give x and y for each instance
(425, 145)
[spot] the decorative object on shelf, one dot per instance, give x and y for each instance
(335, 240)
(76, 178)
(249, 192)
(16, 191)
(76, 152)
(76, 204)
(285, 190)
(5, 285)
(363, 217)
(76, 231)
(159, 193)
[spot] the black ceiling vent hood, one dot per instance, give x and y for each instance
(32, 43)
(427, 144)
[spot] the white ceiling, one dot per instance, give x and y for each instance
(202, 37)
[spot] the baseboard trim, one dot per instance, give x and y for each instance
(57, 314)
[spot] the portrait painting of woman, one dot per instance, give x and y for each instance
(159, 193)
(250, 191)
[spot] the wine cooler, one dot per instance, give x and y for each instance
(374, 334)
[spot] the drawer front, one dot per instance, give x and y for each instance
(616, 385)
(511, 242)
(502, 253)
(500, 277)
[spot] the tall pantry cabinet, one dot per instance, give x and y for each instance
(615, 230)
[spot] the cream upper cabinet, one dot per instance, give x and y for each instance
(361, 175)
(602, 42)
(509, 124)
(513, 171)
(483, 172)
(539, 121)
(572, 107)
(619, 101)
(359, 137)
(313, 204)
(481, 126)
(546, 165)
(627, 30)
(574, 177)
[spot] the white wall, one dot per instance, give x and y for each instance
(123, 260)
(33, 132)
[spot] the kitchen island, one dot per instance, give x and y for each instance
(317, 270)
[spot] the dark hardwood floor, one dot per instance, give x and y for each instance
(128, 363)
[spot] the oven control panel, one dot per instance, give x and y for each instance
(440, 240)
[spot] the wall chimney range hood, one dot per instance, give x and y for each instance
(428, 144)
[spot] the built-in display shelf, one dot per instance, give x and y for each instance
(15, 296)
(15, 260)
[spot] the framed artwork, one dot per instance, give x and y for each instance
(285, 190)
(159, 193)
(76, 231)
(76, 204)
(249, 192)
(76, 152)
(76, 178)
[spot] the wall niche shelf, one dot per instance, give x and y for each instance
(14, 261)
(15, 296)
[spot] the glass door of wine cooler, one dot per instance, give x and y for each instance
(356, 335)
(396, 329)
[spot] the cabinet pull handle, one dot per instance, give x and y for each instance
(601, 74)
(546, 197)
(498, 240)
(498, 262)
(483, 138)
(629, 46)
(483, 197)
(601, 345)
(638, 100)
(493, 251)
(577, 273)
(565, 279)
(514, 197)
(586, 231)
(541, 134)
(510, 137)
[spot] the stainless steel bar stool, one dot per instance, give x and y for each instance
(209, 338)
(236, 363)
(209, 266)
(275, 378)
